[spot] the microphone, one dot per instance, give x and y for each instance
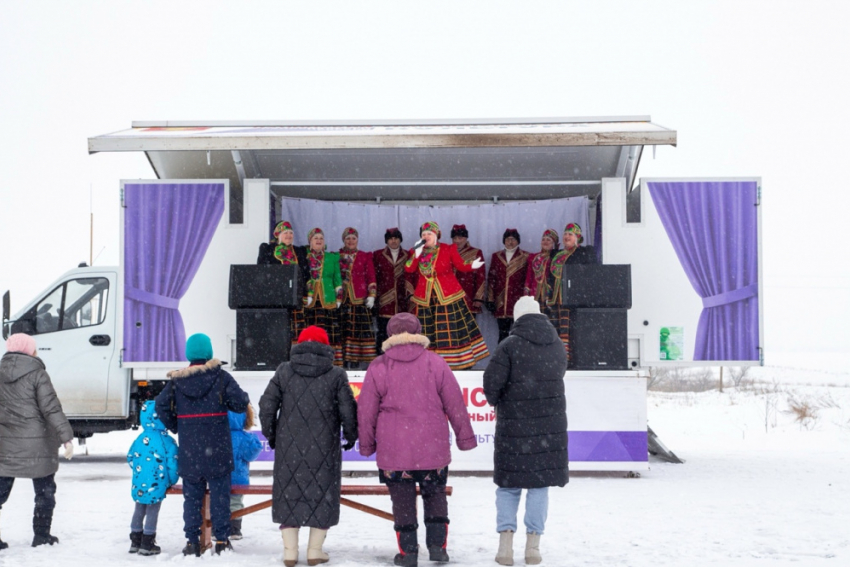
(419, 243)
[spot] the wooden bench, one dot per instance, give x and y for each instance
(266, 490)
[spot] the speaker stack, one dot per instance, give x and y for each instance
(598, 296)
(263, 296)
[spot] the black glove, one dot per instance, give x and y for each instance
(349, 445)
(491, 306)
(271, 443)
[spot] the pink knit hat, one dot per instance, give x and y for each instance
(20, 342)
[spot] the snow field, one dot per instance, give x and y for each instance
(745, 496)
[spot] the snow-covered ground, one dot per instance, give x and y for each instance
(758, 488)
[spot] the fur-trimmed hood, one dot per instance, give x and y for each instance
(206, 375)
(211, 364)
(405, 346)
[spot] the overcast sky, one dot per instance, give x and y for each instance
(752, 88)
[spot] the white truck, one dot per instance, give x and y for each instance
(108, 335)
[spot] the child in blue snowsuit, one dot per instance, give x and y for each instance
(246, 448)
(153, 458)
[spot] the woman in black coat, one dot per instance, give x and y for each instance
(301, 412)
(524, 382)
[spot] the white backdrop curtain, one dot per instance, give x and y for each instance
(485, 223)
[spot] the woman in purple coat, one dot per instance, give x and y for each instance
(407, 394)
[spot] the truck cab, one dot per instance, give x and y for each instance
(76, 323)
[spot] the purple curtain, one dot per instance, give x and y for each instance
(713, 228)
(167, 230)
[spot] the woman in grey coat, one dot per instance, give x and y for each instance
(32, 427)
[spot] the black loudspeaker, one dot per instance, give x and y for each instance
(598, 339)
(597, 285)
(264, 287)
(262, 338)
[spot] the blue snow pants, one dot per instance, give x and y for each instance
(193, 498)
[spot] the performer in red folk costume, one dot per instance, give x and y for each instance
(473, 283)
(538, 265)
(439, 299)
(395, 287)
(506, 281)
(358, 298)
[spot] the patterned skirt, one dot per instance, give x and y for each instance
(453, 333)
(358, 338)
(560, 318)
(327, 319)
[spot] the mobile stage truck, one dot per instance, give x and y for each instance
(108, 335)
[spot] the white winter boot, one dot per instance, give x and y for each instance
(532, 549)
(505, 555)
(290, 546)
(315, 555)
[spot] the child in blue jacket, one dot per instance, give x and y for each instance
(153, 458)
(246, 448)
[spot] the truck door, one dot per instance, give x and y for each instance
(74, 328)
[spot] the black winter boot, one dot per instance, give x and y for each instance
(408, 547)
(135, 541)
(223, 546)
(236, 528)
(149, 546)
(192, 548)
(41, 539)
(436, 538)
(3, 544)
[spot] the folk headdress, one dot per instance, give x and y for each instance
(432, 226)
(574, 228)
(282, 227)
(349, 231)
(313, 233)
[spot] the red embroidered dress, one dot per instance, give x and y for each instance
(358, 279)
(506, 281)
(446, 320)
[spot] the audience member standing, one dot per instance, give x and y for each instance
(524, 382)
(302, 410)
(408, 400)
(32, 428)
(194, 404)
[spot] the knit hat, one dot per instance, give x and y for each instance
(315, 334)
(198, 347)
(393, 233)
(404, 323)
(349, 231)
(460, 230)
(551, 235)
(575, 229)
(282, 226)
(432, 226)
(20, 342)
(511, 232)
(526, 305)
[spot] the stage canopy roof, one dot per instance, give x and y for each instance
(399, 160)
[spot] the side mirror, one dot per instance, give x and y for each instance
(7, 312)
